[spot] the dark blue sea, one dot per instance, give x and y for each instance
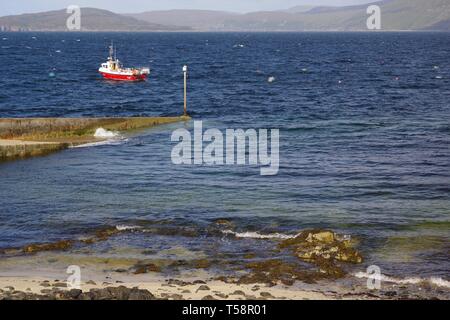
(364, 122)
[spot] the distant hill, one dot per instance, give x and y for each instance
(92, 20)
(441, 25)
(407, 15)
(396, 15)
(196, 19)
(298, 9)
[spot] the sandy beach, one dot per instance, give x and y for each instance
(160, 288)
(199, 287)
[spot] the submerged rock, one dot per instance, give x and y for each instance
(105, 233)
(101, 234)
(145, 268)
(60, 245)
(224, 222)
(201, 263)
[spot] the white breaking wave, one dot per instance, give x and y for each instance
(122, 227)
(112, 138)
(257, 235)
(440, 282)
(102, 133)
(413, 280)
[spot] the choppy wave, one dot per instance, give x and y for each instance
(437, 281)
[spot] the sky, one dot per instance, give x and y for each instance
(9, 7)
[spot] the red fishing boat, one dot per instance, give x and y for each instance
(113, 69)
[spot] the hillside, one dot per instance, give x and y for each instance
(197, 19)
(407, 15)
(396, 15)
(92, 20)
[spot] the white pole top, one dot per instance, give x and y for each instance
(184, 68)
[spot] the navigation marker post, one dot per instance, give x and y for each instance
(185, 89)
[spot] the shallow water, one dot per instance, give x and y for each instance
(364, 122)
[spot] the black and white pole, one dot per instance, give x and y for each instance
(185, 89)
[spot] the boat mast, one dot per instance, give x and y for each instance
(111, 51)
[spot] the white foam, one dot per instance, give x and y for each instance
(112, 142)
(257, 235)
(102, 133)
(412, 280)
(440, 282)
(111, 138)
(122, 227)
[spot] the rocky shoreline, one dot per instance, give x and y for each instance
(318, 268)
(325, 252)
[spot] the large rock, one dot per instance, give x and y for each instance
(323, 248)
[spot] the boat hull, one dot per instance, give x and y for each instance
(123, 77)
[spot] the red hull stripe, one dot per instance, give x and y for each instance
(123, 77)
